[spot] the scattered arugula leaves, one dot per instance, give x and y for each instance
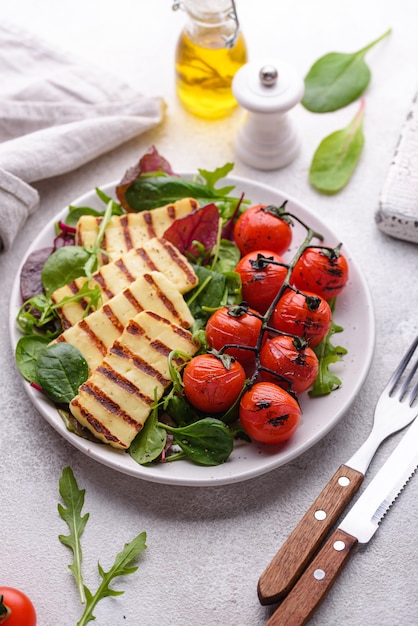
(327, 353)
(337, 79)
(337, 156)
(71, 513)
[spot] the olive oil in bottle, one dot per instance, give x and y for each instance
(209, 52)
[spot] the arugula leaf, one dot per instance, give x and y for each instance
(327, 354)
(337, 79)
(71, 513)
(121, 567)
(73, 498)
(337, 156)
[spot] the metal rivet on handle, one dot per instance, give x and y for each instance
(339, 546)
(343, 481)
(320, 515)
(319, 574)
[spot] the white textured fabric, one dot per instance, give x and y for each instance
(55, 115)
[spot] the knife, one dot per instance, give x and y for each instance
(358, 526)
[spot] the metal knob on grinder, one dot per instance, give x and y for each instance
(267, 139)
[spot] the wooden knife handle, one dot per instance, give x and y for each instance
(315, 583)
(306, 539)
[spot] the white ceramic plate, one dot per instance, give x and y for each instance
(354, 312)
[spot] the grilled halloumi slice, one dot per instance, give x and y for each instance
(132, 230)
(94, 334)
(157, 254)
(117, 398)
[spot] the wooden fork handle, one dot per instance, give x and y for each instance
(306, 539)
(314, 584)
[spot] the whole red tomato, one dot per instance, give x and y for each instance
(261, 228)
(22, 611)
(294, 363)
(211, 383)
(269, 413)
(262, 274)
(323, 271)
(304, 315)
(236, 325)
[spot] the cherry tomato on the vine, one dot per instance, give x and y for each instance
(238, 326)
(304, 314)
(261, 227)
(22, 611)
(292, 359)
(269, 413)
(262, 274)
(211, 383)
(323, 271)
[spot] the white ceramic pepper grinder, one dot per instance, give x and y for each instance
(267, 139)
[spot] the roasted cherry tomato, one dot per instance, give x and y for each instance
(211, 383)
(235, 325)
(17, 607)
(262, 274)
(292, 363)
(304, 315)
(269, 413)
(261, 228)
(323, 271)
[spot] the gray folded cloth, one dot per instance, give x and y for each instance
(56, 113)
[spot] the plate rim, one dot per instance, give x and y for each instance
(94, 450)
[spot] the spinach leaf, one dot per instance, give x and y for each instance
(337, 156)
(63, 266)
(215, 289)
(207, 442)
(149, 442)
(337, 79)
(60, 370)
(28, 349)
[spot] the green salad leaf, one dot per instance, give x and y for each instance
(337, 79)
(337, 156)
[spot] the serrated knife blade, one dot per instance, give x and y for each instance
(358, 526)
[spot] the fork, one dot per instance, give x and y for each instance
(299, 548)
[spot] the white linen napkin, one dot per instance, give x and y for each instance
(56, 114)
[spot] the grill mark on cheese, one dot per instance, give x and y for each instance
(163, 298)
(124, 222)
(150, 224)
(108, 311)
(94, 339)
(178, 260)
(123, 352)
(127, 293)
(107, 403)
(123, 383)
(146, 259)
(96, 424)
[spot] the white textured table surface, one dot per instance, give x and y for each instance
(208, 546)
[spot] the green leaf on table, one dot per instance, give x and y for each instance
(337, 155)
(73, 499)
(122, 566)
(337, 79)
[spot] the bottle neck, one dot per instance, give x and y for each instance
(211, 21)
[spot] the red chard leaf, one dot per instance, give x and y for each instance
(200, 225)
(150, 162)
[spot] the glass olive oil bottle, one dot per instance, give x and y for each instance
(209, 52)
